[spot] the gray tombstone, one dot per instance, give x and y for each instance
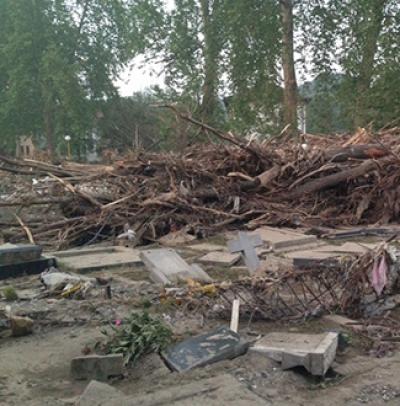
(246, 244)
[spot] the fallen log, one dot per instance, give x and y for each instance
(363, 151)
(332, 180)
(262, 180)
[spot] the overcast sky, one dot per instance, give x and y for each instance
(138, 78)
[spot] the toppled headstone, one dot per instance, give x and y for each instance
(21, 326)
(99, 367)
(246, 244)
(217, 345)
(93, 259)
(281, 239)
(315, 352)
(18, 260)
(166, 267)
(220, 258)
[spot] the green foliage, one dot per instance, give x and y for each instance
(139, 334)
(10, 294)
(57, 63)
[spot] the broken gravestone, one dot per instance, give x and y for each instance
(99, 367)
(18, 260)
(315, 352)
(93, 259)
(246, 245)
(217, 345)
(281, 239)
(166, 267)
(220, 258)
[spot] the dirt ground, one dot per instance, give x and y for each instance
(34, 370)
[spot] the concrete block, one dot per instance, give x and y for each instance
(99, 367)
(21, 326)
(16, 254)
(220, 258)
(315, 352)
(167, 267)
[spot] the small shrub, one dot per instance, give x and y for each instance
(137, 335)
(10, 294)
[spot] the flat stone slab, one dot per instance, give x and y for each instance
(166, 267)
(220, 258)
(315, 352)
(16, 254)
(99, 367)
(217, 345)
(326, 255)
(94, 259)
(281, 239)
(206, 247)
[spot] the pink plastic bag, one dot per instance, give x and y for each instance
(379, 275)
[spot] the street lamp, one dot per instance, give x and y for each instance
(67, 138)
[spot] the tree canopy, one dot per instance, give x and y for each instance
(242, 65)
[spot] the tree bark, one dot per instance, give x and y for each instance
(48, 127)
(333, 180)
(289, 73)
(373, 27)
(211, 51)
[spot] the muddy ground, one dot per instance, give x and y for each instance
(34, 370)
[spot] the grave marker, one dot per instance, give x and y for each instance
(246, 245)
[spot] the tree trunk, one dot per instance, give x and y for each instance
(211, 52)
(48, 127)
(289, 73)
(373, 27)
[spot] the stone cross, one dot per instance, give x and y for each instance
(246, 244)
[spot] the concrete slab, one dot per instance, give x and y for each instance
(99, 367)
(217, 345)
(206, 247)
(167, 267)
(326, 255)
(315, 352)
(220, 258)
(16, 254)
(93, 259)
(281, 239)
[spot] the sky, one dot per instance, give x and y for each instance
(137, 78)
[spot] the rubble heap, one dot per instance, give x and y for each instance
(317, 180)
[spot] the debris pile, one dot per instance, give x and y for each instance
(326, 180)
(350, 288)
